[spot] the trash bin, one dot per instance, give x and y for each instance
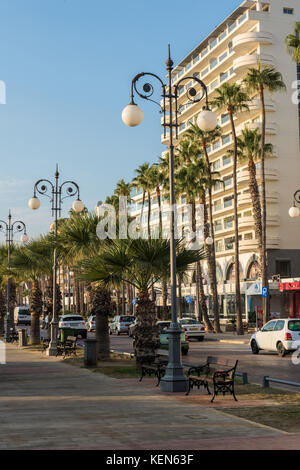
(65, 332)
(22, 337)
(90, 352)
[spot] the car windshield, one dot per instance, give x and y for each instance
(163, 327)
(189, 321)
(294, 325)
(127, 319)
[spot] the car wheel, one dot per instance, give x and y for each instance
(201, 338)
(254, 347)
(281, 349)
(118, 333)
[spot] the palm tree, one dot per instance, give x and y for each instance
(141, 263)
(249, 151)
(293, 44)
(77, 241)
(234, 100)
(205, 138)
(2, 311)
(258, 80)
(140, 182)
(191, 180)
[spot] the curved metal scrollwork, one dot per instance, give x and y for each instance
(71, 190)
(148, 88)
(42, 187)
(3, 226)
(297, 196)
(19, 225)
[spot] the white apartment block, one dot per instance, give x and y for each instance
(254, 32)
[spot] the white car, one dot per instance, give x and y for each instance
(193, 328)
(91, 323)
(75, 322)
(282, 335)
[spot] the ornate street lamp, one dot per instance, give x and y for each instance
(10, 228)
(174, 379)
(58, 192)
(294, 211)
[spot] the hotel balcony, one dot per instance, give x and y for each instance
(271, 174)
(272, 197)
(270, 105)
(245, 41)
(251, 60)
(252, 245)
(248, 222)
(271, 127)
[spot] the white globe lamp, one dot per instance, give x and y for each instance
(209, 241)
(294, 212)
(34, 203)
(24, 238)
(78, 206)
(132, 115)
(207, 120)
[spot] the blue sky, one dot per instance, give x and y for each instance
(67, 65)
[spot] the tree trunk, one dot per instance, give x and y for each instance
(2, 312)
(212, 266)
(264, 269)
(146, 339)
(101, 307)
(239, 318)
(255, 199)
(35, 308)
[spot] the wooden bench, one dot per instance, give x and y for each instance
(157, 367)
(67, 348)
(217, 372)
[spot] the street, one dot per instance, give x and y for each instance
(265, 363)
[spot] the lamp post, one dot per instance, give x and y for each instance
(294, 211)
(174, 379)
(10, 228)
(57, 191)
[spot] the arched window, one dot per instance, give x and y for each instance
(253, 271)
(231, 273)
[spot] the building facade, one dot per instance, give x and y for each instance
(255, 32)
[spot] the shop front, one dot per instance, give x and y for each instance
(291, 298)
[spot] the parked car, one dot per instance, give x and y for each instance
(75, 322)
(282, 335)
(193, 328)
(91, 323)
(22, 315)
(163, 327)
(120, 324)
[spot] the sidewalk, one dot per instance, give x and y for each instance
(231, 338)
(47, 404)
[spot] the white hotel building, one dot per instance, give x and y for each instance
(255, 31)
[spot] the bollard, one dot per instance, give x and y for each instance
(22, 338)
(90, 352)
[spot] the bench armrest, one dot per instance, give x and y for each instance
(197, 369)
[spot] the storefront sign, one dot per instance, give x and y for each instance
(289, 286)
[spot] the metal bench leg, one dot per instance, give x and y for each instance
(189, 388)
(141, 378)
(233, 393)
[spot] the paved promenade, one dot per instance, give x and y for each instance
(46, 404)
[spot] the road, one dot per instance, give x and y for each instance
(265, 363)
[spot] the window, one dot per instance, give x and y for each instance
(180, 90)
(219, 246)
(182, 126)
(226, 158)
(218, 205)
(223, 76)
(229, 243)
(214, 84)
(225, 139)
(224, 118)
(189, 65)
(216, 145)
(217, 187)
(189, 85)
(279, 325)
(294, 325)
(288, 11)
(213, 43)
(223, 56)
(248, 236)
(269, 326)
(232, 26)
(218, 225)
(222, 36)
(283, 267)
(196, 59)
(228, 222)
(216, 165)
(180, 73)
(230, 48)
(227, 181)
(204, 52)
(204, 72)
(228, 201)
(242, 18)
(213, 63)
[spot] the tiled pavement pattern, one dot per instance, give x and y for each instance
(46, 404)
